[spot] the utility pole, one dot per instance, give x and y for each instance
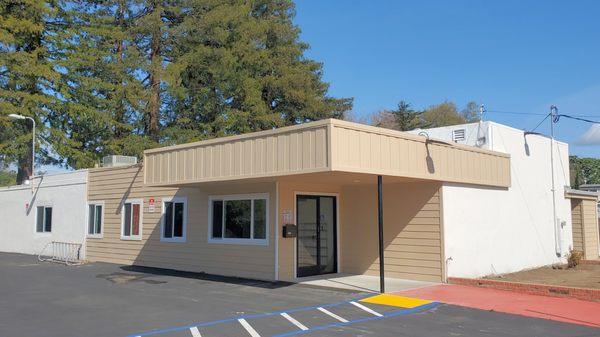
(480, 136)
(553, 114)
(481, 111)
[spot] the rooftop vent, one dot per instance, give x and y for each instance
(459, 135)
(112, 161)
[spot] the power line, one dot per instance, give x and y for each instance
(540, 123)
(516, 113)
(542, 114)
(576, 118)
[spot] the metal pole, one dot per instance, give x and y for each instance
(32, 154)
(553, 112)
(380, 221)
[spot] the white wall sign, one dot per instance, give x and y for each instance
(287, 217)
(151, 205)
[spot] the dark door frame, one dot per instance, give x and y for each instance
(318, 270)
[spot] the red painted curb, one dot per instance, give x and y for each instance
(585, 294)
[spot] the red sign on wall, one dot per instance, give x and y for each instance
(151, 205)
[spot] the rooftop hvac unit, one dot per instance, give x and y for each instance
(111, 161)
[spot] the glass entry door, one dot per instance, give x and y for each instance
(316, 244)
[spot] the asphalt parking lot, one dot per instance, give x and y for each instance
(44, 299)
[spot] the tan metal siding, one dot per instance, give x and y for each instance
(585, 227)
(358, 148)
(589, 218)
(412, 231)
(577, 224)
(269, 153)
(115, 185)
(328, 145)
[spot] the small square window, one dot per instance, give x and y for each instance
(43, 219)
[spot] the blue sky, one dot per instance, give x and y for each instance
(512, 56)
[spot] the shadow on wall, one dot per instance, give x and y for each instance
(34, 195)
(412, 235)
(193, 254)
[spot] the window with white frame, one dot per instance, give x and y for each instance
(95, 218)
(131, 226)
(43, 219)
(174, 219)
(239, 219)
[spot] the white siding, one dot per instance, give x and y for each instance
(498, 230)
(65, 192)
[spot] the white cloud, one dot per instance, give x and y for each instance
(591, 136)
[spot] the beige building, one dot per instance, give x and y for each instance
(586, 223)
(287, 203)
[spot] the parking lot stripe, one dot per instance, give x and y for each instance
(248, 328)
(294, 321)
(397, 313)
(369, 310)
(195, 332)
(233, 319)
(325, 311)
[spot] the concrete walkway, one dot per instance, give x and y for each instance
(552, 308)
(364, 283)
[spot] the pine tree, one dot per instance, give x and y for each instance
(239, 67)
(100, 94)
(153, 39)
(26, 80)
(406, 118)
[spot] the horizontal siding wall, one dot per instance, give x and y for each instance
(114, 186)
(367, 149)
(412, 231)
(589, 218)
(577, 224)
(248, 156)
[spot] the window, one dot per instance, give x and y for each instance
(174, 219)
(131, 225)
(44, 219)
(239, 219)
(95, 219)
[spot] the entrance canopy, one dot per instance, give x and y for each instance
(324, 146)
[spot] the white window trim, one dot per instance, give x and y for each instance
(132, 237)
(163, 219)
(87, 220)
(255, 242)
(45, 205)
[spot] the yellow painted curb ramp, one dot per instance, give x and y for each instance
(396, 301)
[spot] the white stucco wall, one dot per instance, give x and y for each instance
(494, 231)
(65, 192)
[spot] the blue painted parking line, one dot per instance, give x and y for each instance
(195, 331)
(234, 319)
